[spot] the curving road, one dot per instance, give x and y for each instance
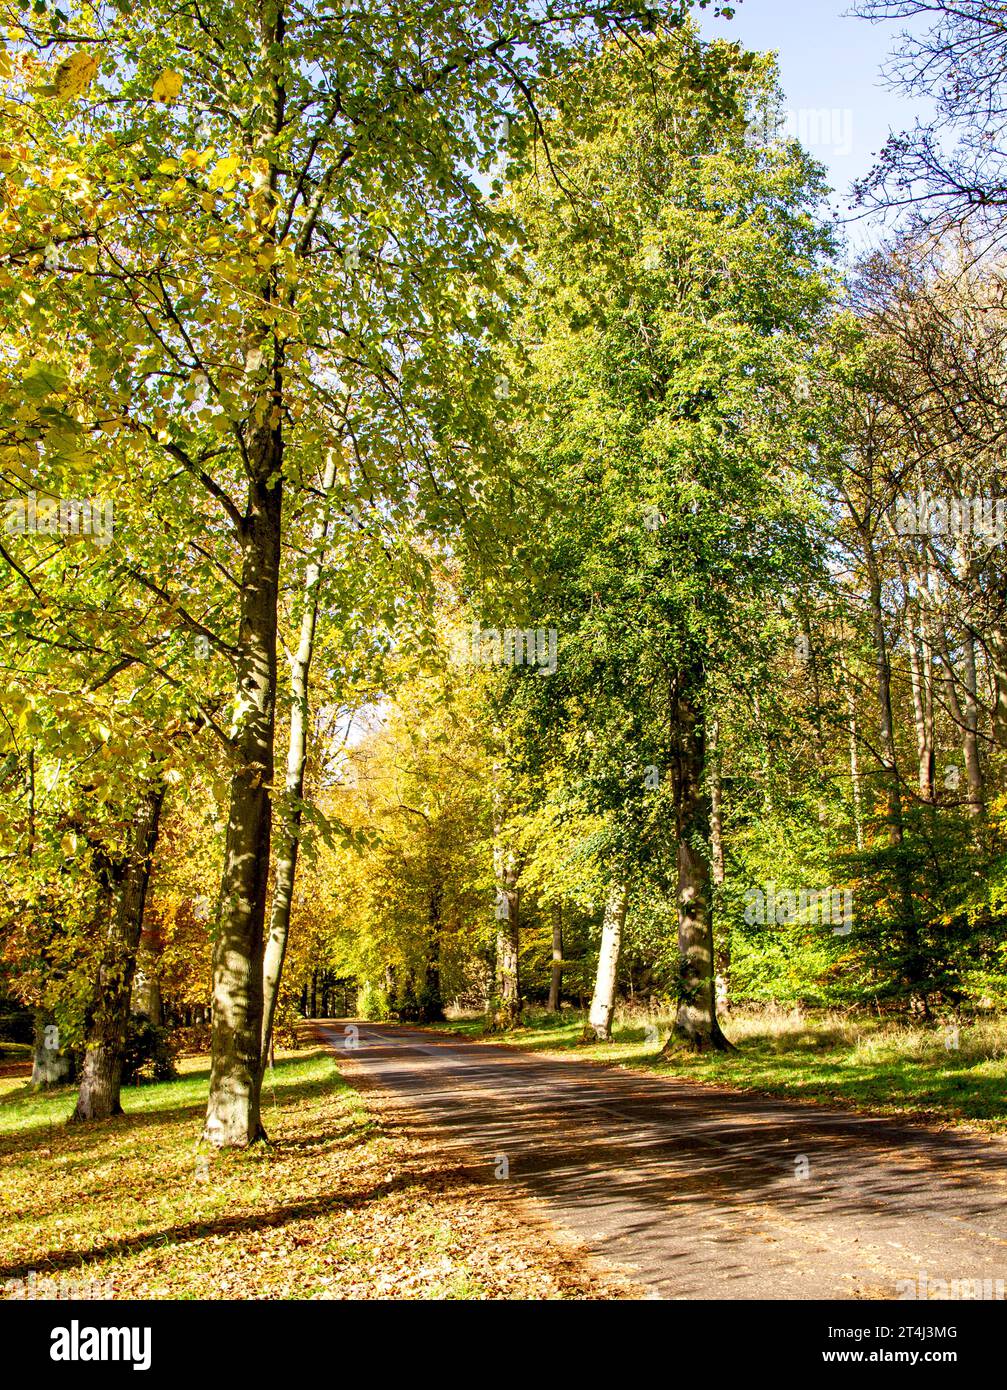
(700, 1192)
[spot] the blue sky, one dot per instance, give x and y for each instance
(831, 62)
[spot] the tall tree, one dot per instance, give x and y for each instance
(238, 162)
(664, 405)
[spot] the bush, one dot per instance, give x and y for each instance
(404, 1005)
(372, 1003)
(148, 1055)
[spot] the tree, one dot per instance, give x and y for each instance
(239, 162)
(599, 1019)
(108, 1016)
(958, 63)
(663, 399)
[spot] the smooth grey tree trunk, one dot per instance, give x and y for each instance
(232, 1113)
(599, 1018)
(556, 972)
(288, 835)
(965, 712)
(51, 1066)
(233, 1106)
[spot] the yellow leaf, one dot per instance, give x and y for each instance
(167, 86)
(223, 170)
(75, 74)
(68, 844)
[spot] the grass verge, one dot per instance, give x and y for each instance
(335, 1206)
(951, 1074)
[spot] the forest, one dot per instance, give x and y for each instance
(479, 551)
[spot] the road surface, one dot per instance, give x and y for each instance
(698, 1192)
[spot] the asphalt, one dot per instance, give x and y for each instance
(698, 1191)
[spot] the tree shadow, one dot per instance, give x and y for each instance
(672, 1174)
(280, 1082)
(54, 1261)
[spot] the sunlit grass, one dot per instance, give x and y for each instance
(952, 1072)
(335, 1206)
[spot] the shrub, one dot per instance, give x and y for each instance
(147, 1056)
(372, 1003)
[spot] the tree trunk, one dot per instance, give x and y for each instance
(921, 680)
(288, 837)
(51, 1066)
(556, 975)
(851, 713)
(997, 643)
(722, 962)
(508, 942)
(696, 1026)
(970, 732)
(431, 1002)
(890, 772)
(232, 1114)
(818, 735)
(599, 1019)
(108, 1016)
(146, 999)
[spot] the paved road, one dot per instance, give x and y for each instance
(700, 1192)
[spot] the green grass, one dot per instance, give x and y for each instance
(932, 1073)
(21, 1108)
(336, 1205)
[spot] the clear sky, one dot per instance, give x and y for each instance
(830, 61)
